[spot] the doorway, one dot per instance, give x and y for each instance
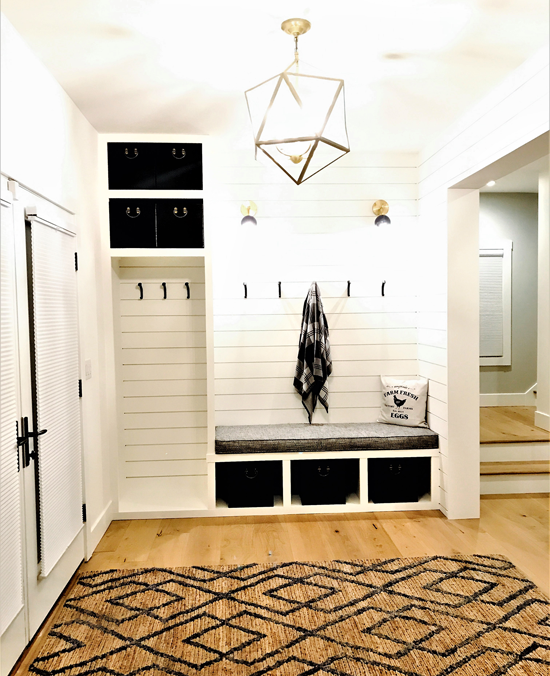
(514, 450)
(499, 471)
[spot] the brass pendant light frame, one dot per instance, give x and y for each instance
(297, 27)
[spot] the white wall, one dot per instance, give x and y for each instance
(511, 115)
(542, 414)
(513, 216)
(320, 231)
(49, 146)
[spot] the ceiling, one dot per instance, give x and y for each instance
(525, 179)
(178, 66)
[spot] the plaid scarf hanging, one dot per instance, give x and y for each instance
(314, 364)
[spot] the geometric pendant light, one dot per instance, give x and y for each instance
(299, 119)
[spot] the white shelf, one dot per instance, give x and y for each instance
(156, 194)
(157, 253)
(326, 455)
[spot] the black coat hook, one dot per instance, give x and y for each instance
(245, 291)
(349, 288)
(279, 289)
(140, 287)
(164, 287)
(188, 291)
(383, 286)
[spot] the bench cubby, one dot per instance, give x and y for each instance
(398, 479)
(249, 484)
(324, 481)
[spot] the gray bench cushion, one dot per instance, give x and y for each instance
(315, 438)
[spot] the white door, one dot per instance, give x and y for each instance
(13, 631)
(48, 384)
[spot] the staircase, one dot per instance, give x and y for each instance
(515, 455)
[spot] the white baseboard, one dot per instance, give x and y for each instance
(532, 450)
(510, 398)
(515, 483)
(97, 529)
(542, 420)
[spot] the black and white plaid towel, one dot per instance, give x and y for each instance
(314, 364)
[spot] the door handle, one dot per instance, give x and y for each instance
(24, 441)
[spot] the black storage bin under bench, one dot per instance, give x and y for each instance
(398, 479)
(325, 481)
(249, 484)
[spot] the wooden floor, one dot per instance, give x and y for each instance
(515, 526)
(508, 424)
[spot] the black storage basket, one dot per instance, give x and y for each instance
(249, 484)
(398, 479)
(324, 482)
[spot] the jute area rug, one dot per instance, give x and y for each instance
(433, 616)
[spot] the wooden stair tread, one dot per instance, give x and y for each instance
(523, 467)
(510, 424)
(516, 439)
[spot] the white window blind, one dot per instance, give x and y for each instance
(56, 356)
(11, 577)
(495, 305)
(491, 309)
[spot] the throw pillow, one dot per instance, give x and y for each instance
(404, 401)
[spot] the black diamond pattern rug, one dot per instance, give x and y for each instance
(433, 616)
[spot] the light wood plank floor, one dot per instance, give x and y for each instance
(508, 424)
(515, 526)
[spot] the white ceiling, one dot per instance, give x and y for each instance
(410, 66)
(525, 179)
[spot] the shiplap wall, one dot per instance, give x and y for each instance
(320, 231)
(161, 372)
(510, 116)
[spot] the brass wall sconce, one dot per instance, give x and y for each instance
(249, 211)
(380, 208)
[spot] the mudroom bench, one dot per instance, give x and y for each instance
(297, 468)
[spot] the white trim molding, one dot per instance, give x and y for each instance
(98, 529)
(542, 420)
(515, 484)
(528, 398)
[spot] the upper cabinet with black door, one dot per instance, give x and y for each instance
(155, 166)
(178, 166)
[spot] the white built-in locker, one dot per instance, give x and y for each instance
(161, 382)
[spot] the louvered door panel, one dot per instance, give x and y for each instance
(56, 357)
(11, 578)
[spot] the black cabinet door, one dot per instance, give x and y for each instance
(178, 166)
(132, 223)
(131, 166)
(180, 224)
